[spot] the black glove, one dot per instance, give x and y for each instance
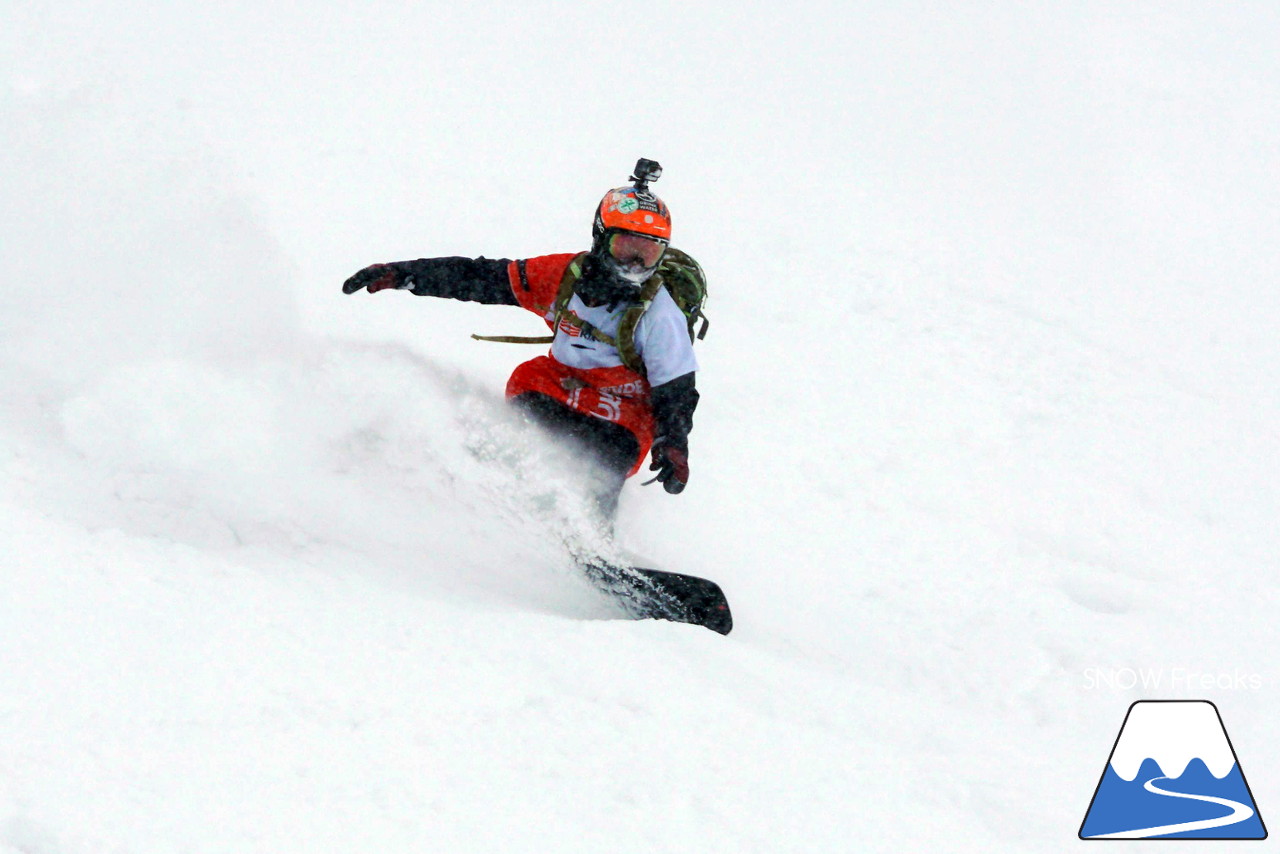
(377, 277)
(672, 465)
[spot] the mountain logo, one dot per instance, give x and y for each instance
(1173, 774)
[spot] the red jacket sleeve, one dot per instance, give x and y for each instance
(536, 281)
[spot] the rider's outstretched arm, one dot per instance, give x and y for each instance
(485, 280)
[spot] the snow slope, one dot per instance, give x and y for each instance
(989, 408)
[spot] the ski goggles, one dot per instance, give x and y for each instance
(627, 247)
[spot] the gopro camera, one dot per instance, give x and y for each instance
(646, 171)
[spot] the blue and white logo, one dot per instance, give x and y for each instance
(1173, 774)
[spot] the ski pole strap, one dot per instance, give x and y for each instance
(516, 339)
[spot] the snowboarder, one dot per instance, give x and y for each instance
(618, 382)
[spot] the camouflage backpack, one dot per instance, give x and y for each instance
(677, 272)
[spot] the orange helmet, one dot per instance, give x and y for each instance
(632, 227)
(633, 209)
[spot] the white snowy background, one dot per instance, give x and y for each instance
(990, 408)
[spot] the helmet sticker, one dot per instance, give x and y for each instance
(628, 205)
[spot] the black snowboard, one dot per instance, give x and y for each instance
(651, 594)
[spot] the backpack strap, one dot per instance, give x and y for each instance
(572, 273)
(515, 339)
(626, 342)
